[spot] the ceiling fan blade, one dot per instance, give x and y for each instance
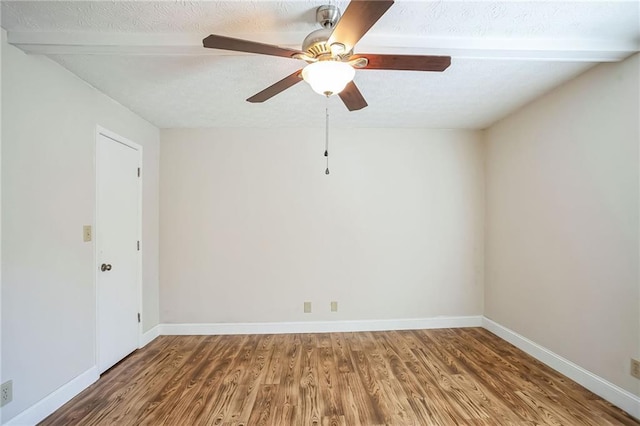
(239, 45)
(276, 88)
(405, 62)
(356, 20)
(352, 97)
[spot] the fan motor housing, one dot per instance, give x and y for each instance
(316, 43)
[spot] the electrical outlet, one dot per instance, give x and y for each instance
(86, 233)
(334, 306)
(635, 368)
(307, 307)
(6, 393)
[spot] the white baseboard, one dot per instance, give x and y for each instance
(320, 326)
(596, 384)
(148, 337)
(43, 408)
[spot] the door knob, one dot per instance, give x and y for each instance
(105, 267)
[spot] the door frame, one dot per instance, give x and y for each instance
(124, 141)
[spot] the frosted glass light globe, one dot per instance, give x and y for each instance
(328, 77)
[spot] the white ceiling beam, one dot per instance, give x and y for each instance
(191, 44)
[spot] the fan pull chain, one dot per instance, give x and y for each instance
(326, 132)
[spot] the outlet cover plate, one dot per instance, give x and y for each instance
(334, 306)
(6, 393)
(635, 368)
(307, 307)
(86, 233)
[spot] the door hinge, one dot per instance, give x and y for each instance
(138, 171)
(138, 316)
(138, 245)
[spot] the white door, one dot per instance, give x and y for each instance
(118, 260)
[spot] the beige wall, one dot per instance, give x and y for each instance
(251, 227)
(562, 199)
(49, 120)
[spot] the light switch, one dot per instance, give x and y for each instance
(86, 233)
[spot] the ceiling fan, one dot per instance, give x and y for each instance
(329, 53)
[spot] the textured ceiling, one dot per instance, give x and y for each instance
(210, 91)
(549, 19)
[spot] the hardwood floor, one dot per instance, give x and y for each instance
(425, 377)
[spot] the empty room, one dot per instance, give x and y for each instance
(326, 212)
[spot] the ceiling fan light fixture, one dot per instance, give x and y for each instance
(337, 49)
(328, 77)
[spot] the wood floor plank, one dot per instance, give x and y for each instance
(217, 363)
(232, 389)
(311, 404)
(252, 379)
(420, 377)
(328, 383)
(354, 403)
(365, 383)
(386, 366)
(407, 384)
(277, 360)
(289, 395)
(263, 412)
(341, 352)
(188, 386)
